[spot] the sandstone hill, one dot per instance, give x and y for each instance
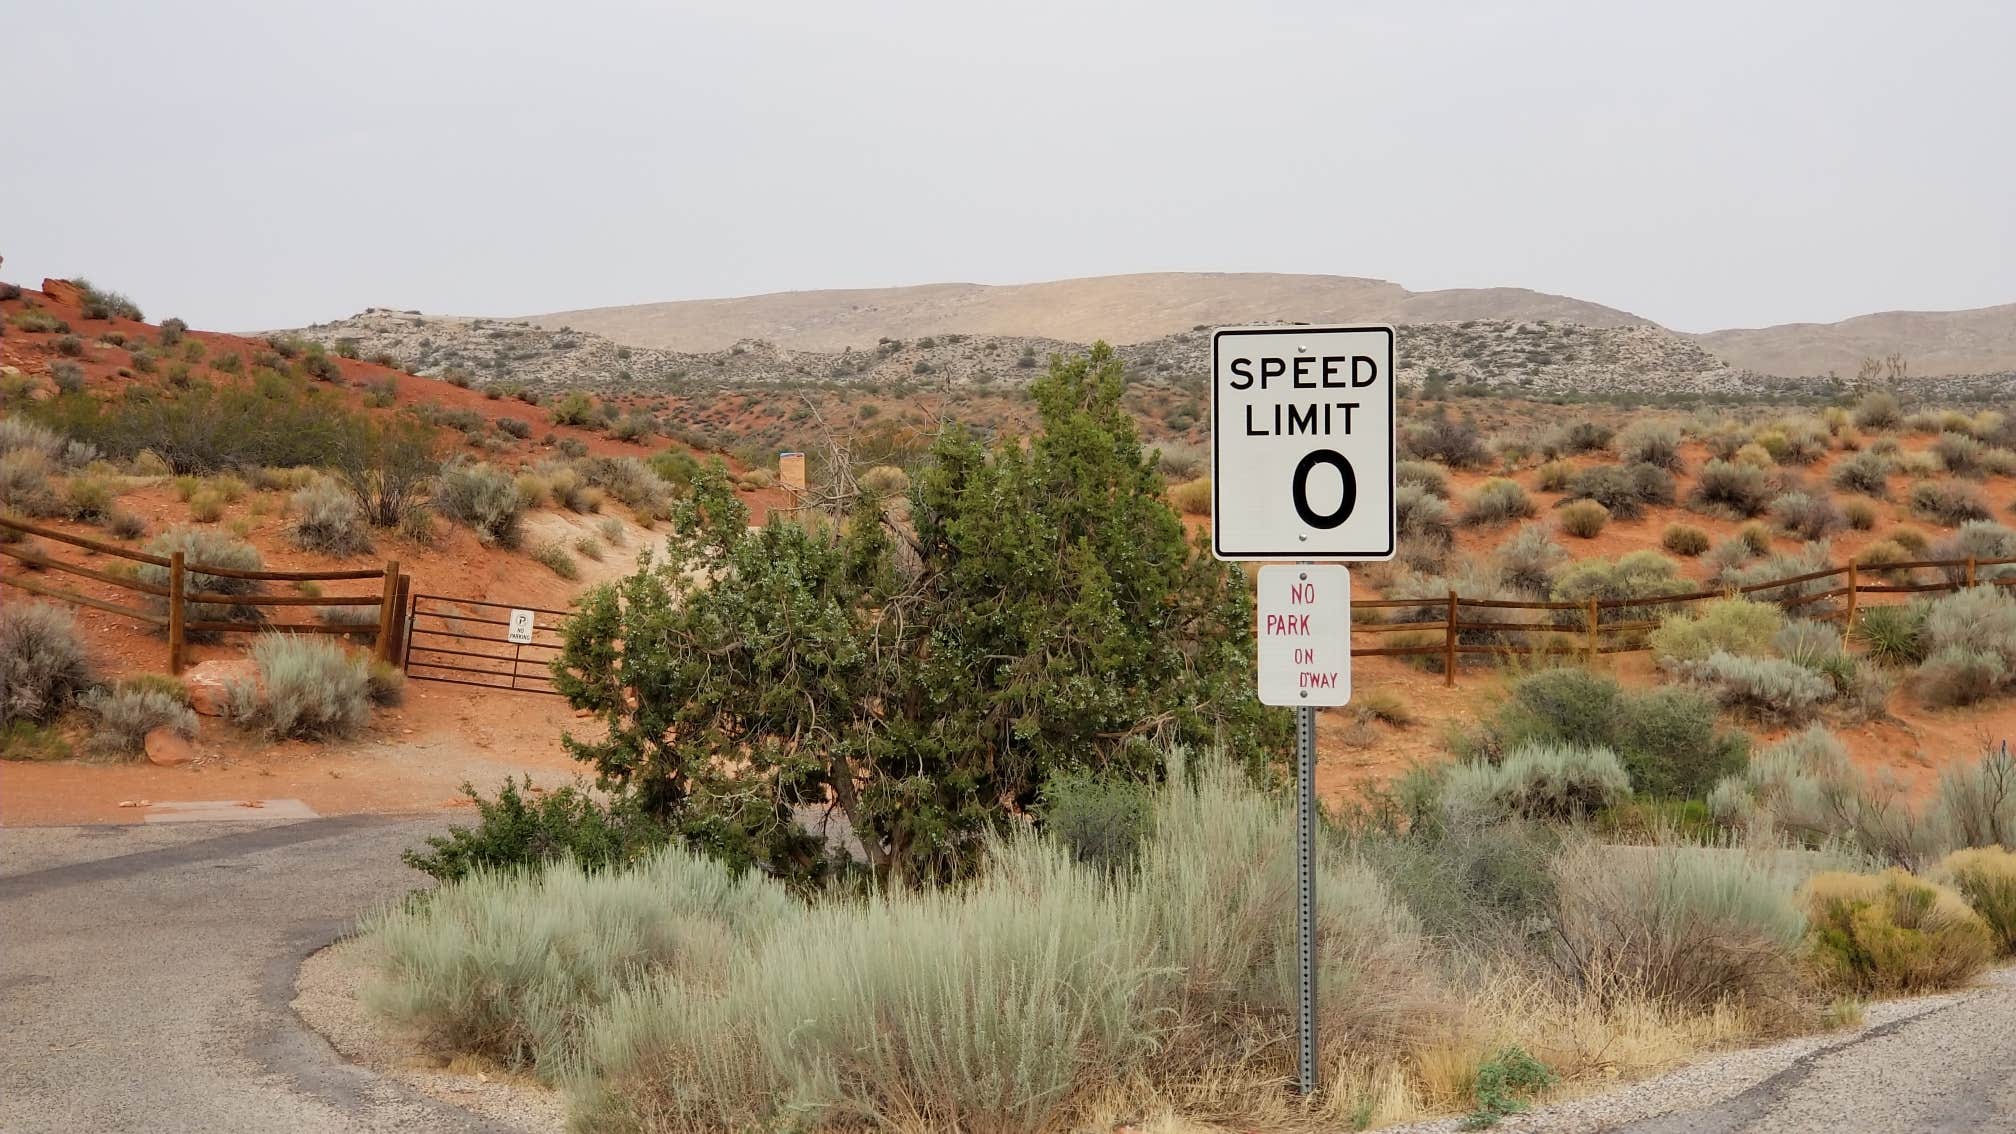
(1119, 309)
(1931, 342)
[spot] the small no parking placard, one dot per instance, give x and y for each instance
(1304, 621)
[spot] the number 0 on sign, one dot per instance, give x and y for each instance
(1303, 619)
(1302, 443)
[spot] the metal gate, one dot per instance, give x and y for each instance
(461, 641)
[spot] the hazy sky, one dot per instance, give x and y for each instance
(269, 162)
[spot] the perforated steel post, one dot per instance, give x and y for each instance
(1305, 921)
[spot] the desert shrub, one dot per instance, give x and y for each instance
(1651, 443)
(1102, 820)
(1425, 527)
(1536, 780)
(1980, 539)
(1732, 488)
(555, 557)
(1947, 503)
(327, 519)
(1611, 486)
(1695, 926)
(483, 497)
(386, 682)
(43, 666)
(1878, 409)
(1684, 539)
(1528, 560)
(1976, 803)
(1807, 515)
(1584, 519)
(1555, 476)
(1576, 437)
(1770, 690)
(1762, 574)
(1917, 464)
(1867, 472)
(1725, 559)
(125, 714)
(1192, 498)
(1730, 625)
(1652, 484)
(1881, 558)
(634, 427)
(1860, 514)
(1638, 575)
(514, 427)
(1980, 618)
(101, 304)
(633, 482)
(588, 547)
(1671, 746)
(1892, 933)
(1959, 454)
(206, 506)
(576, 409)
(1802, 440)
(314, 689)
(1756, 537)
(1894, 633)
(1497, 501)
(1957, 675)
(125, 525)
(521, 828)
(1454, 442)
(1426, 474)
(25, 486)
(90, 497)
(200, 548)
(611, 530)
(1565, 705)
(1986, 877)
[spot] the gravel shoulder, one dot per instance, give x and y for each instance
(1909, 1063)
(326, 999)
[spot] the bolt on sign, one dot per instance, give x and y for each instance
(1304, 622)
(1302, 424)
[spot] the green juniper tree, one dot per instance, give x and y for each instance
(1030, 610)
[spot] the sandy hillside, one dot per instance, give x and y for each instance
(1118, 309)
(1932, 342)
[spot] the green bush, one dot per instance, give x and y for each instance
(1732, 625)
(523, 828)
(1731, 488)
(1637, 575)
(1685, 540)
(1670, 745)
(1583, 518)
(555, 557)
(127, 713)
(1497, 501)
(1102, 820)
(576, 408)
(43, 666)
(1986, 877)
(1893, 634)
(1502, 1080)
(313, 688)
(1536, 781)
(483, 497)
(1892, 933)
(327, 519)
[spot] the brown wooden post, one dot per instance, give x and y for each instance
(387, 608)
(1592, 630)
(1449, 642)
(402, 602)
(177, 638)
(1848, 627)
(1970, 570)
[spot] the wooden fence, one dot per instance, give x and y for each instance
(173, 613)
(1588, 632)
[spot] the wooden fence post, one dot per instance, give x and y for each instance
(402, 603)
(1592, 630)
(177, 637)
(1449, 642)
(1848, 627)
(1970, 570)
(387, 607)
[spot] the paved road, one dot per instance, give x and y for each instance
(1951, 1070)
(145, 975)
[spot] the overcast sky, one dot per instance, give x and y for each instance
(269, 163)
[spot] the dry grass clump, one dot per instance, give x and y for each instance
(1684, 539)
(126, 713)
(1497, 501)
(327, 519)
(1986, 877)
(1947, 503)
(1192, 498)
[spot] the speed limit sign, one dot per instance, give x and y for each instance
(1302, 443)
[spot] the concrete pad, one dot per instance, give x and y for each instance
(229, 811)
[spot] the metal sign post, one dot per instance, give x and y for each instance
(1302, 448)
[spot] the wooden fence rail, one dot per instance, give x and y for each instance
(1443, 615)
(176, 596)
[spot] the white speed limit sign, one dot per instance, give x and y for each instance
(1302, 443)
